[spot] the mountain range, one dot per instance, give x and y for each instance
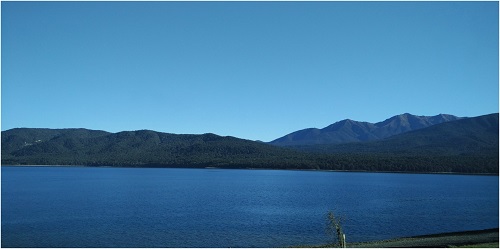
(466, 136)
(347, 131)
(442, 143)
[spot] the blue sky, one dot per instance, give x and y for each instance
(254, 70)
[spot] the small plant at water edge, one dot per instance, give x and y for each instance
(334, 229)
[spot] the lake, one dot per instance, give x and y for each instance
(158, 207)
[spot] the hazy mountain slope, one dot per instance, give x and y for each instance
(407, 122)
(468, 136)
(347, 131)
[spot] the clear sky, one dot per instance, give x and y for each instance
(254, 70)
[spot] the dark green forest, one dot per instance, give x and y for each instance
(463, 146)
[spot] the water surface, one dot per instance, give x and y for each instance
(147, 207)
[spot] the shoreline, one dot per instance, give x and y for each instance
(485, 238)
(440, 240)
(318, 170)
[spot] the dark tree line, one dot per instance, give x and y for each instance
(154, 149)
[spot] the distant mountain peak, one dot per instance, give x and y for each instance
(348, 130)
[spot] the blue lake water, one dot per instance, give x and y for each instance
(148, 207)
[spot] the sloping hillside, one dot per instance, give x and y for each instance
(348, 131)
(463, 146)
(469, 136)
(141, 148)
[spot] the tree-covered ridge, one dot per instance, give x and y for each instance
(465, 146)
(137, 148)
(469, 136)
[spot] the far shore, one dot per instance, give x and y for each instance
(214, 167)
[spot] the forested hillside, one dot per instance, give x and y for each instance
(464, 146)
(469, 136)
(139, 148)
(462, 143)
